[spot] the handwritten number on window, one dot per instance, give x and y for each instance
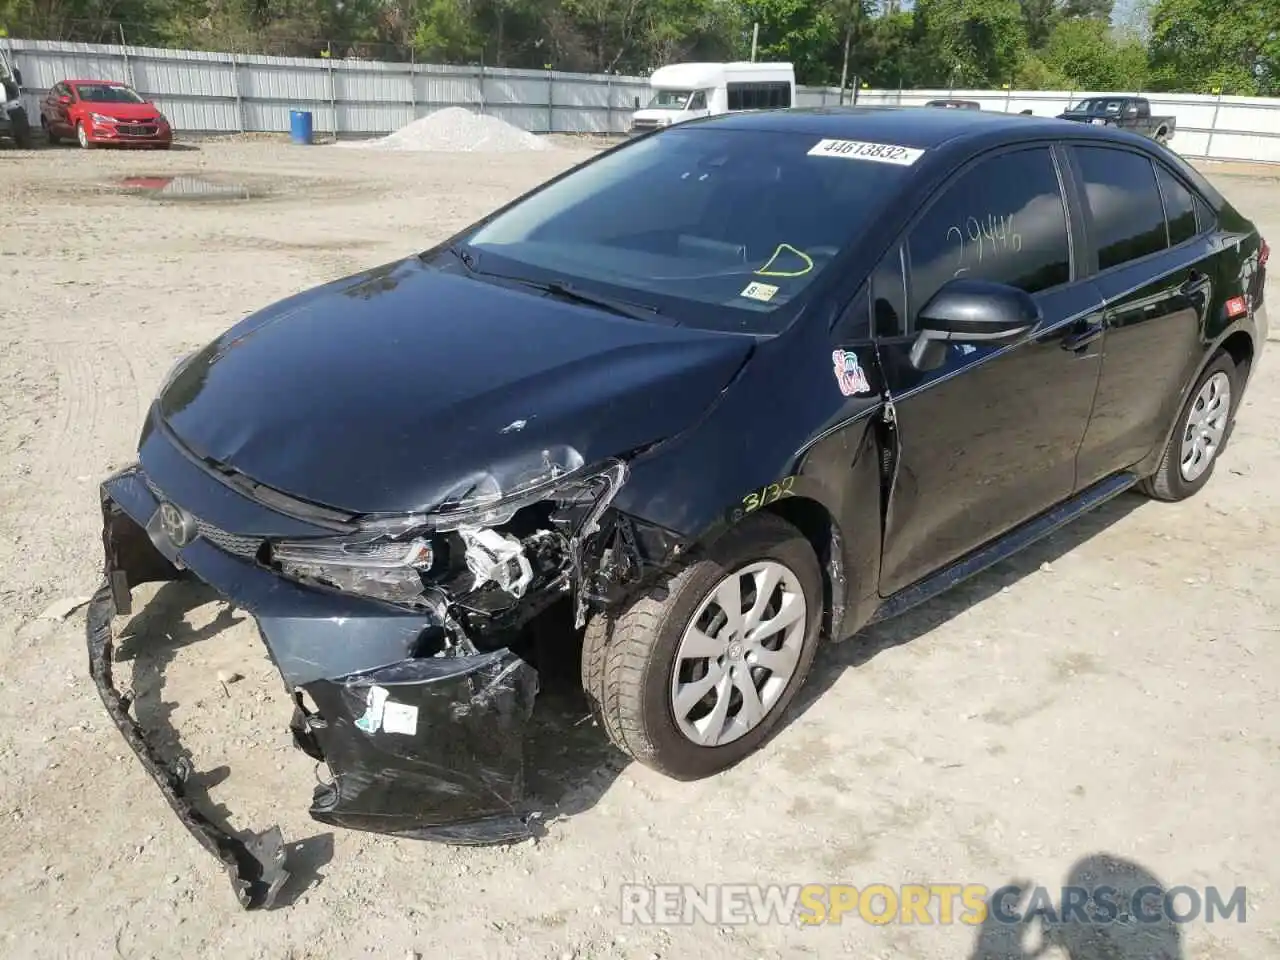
(990, 236)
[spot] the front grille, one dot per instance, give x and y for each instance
(233, 543)
(136, 130)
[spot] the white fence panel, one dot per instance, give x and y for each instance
(226, 93)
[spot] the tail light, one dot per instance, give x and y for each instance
(1264, 254)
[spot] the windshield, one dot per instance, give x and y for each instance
(1097, 106)
(670, 100)
(107, 93)
(715, 228)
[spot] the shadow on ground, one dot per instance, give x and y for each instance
(1107, 908)
(834, 658)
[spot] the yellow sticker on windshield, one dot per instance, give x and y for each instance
(860, 150)
(759, 291)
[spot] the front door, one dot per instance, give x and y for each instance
(988, 439)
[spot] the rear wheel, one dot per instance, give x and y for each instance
(49, 135)
(1203, 422)
(693, 677)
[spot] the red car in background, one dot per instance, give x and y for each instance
(100, 112)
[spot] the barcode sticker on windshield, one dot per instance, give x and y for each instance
(759, 291)
(859, 150)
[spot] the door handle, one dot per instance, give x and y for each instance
(1195, 282)
(1078, 341)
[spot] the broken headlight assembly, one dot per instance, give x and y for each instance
(370, 566)
(397, 558)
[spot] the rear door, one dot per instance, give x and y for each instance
(1155, 263)
(989, 439)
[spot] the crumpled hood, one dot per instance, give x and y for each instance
(379, 392)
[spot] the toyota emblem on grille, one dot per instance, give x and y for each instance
(178, 525)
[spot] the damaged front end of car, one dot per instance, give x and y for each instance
(398, 637)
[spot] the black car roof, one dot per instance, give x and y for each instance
(906, 126)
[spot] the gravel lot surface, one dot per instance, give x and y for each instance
(1111, 692)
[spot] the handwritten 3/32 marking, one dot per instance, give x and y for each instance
(992, 235)
(768, 494)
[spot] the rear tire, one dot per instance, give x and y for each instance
(1199, 435)
(49, 135)
(644, 666)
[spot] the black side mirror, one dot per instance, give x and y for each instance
(973, 311)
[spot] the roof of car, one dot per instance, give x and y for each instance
(921, 127)
(97, 83)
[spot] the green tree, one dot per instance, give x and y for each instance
(1090, 9)
(1038, 17)
(975, 42)
(1201, 44)
(1089, 56)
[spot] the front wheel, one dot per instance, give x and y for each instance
(21, 128)
(1198, 437)
(693, 677)
(82, 137)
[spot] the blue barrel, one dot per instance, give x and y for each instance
(300, 126)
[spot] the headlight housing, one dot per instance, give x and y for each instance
(367, 565)
(101, 118)
(392, 557)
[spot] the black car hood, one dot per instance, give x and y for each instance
(379, 392)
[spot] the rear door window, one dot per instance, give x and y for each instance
(1124, 203)
(1179, 207)
(1002, 220)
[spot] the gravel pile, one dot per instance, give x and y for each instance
(455, 130)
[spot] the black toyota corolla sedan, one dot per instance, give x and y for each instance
(684, 412)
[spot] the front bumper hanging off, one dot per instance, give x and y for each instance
(426, 747)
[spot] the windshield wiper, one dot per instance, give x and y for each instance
(623, 308)
(466, 256)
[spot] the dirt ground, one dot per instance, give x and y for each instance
(1113, 691)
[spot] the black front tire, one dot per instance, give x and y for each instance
(21, 129)
(1168, 483)
(628, 656)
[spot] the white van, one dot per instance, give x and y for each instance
(683, 91)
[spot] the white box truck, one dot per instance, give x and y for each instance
(683, 91)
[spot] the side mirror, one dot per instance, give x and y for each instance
(64, 100)
(973, 312)
(17, 76)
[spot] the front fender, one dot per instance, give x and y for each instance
(756, 450)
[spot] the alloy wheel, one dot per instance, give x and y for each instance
(738, 653)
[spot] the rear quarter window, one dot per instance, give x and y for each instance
(1179, 207)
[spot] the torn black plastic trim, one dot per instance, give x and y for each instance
(256, 865)
(429, 749)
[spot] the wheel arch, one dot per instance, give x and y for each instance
(817, 525)
(1238, 344)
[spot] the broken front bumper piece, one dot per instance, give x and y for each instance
(424, 747)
